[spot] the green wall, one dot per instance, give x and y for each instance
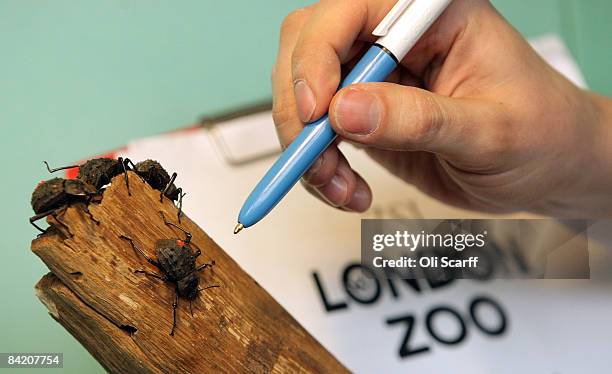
(81, 77)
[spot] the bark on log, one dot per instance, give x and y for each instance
(124, 318)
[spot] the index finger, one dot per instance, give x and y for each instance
(326, 41)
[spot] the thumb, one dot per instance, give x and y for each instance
(395, 117)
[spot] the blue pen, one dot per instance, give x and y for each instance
(398, 32)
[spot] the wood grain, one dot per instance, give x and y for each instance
(124, 319)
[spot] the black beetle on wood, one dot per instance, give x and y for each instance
(177, 263)
(158, 178)
(53, 195)
(99, 171)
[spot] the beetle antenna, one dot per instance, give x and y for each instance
(188, 235)
(58, 169)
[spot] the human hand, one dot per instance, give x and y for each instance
(473, 116)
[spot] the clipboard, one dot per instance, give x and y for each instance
(227, 130)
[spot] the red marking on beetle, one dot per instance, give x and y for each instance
(41, 183)
(180, 243)
(72, 173)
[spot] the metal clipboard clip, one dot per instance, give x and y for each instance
(243, 136)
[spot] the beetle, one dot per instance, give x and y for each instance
(55, 194)
(176, 261)
(158, 178)
(99, 171)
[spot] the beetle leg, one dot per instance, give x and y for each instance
(207, 287)
(89, 197)
(180, 207)
(135, 247)
(129, 164)
(150, 274)
(204, 266)
(125, 175)
(163, 192)
(174, 305)
(187, 233)
(58, 169)
(62, 211)
(91, 216)
(190, 308)
(36, 218)
(42, 215)
(92, 195)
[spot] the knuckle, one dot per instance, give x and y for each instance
(315, 175)
(429, 118)
(277, 77)
(317, 179)
(300, 54)
(421, 123)
(286, 123)
(311, 57)
(281, 114)
(294, 20)
(322, 171)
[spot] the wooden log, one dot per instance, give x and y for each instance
(124, 318)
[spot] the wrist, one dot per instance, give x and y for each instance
(598, 195)
(586, 184)
(603, 107)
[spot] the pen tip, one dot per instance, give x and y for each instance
(238, 228)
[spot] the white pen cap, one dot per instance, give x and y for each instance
(407, 21)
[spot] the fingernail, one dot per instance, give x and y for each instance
(357, 112)
(304, 99)
(361, 199)
(336, 190)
